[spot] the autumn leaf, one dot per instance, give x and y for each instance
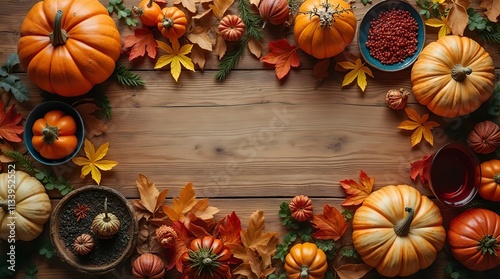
(229, 229)
(174, 255)
(357, 192)
(93, 126)
(219, 7)
(202, 210)
(422, 127)
(220, 47)
(183, 204)
(9, 124)
(358, 71)
(320, 69)
(5, 146)
(146, 242)
(283, 56)
(199, 36)
(198, 56)
(492, 9)
(421, 168)
(331, 224)
(151, 198)
(255, 47)
(457, 16)
(93, 162)
(442, 24)
(141, 42)
(175, 56)
(352, 271)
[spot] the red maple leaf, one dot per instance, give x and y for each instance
(230, 229)
(421, 167)
(283, 56)
(174, 254)
(331, 224)
(9, 120)
(141, 42)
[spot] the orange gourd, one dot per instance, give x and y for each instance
(148, 266)
(231, 28)
(148, 12)
(324, 28)
(68, 46)
(305, 261)
(274, 11)
(54, 135)
(489, 189)
(172, 22)
(453, 76)
(398, 231)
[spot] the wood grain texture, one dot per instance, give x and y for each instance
(252, 141)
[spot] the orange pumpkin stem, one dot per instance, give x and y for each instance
(58, 36)
(50, 133)
(402, 227)
(459, 72)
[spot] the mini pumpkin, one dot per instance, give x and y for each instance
(301, 208)
(398, 231)
(172, 22)
(68, 46)
(489, 189)
(274, 11)
(231, 28)
(148, 12)
(148, 266)
(30, 207)
(83, 244)
(306, 261)
(207, 257)
(324, 28)
(474, 238)
(396, 99)
(453, 76)
(484, 137)
(105, 225)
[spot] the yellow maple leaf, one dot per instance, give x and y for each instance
(94, 161)
(422, 127)
(357, 192)
(220, 7)
(442, 24)
(358, 71)
(176, 55)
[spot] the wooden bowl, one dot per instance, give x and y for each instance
(107, 253)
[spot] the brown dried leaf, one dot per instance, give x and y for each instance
(255, 2)
(255, 47)
(320, 69)
(151, 198)
(220, 46)
(5, 146)
(181, 205)
(492, 9)
(457, 16)
(198, 56)
(200, 37)
(203, 14)
(146, 242)
(352, 271)
(203, 211)
(220, 7)
(93, 126)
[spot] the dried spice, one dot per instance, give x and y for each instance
(81, 211)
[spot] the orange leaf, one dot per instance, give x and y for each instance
(492, 9)
(151, 198)
(9, 124)
(421, 167)
(220, 7)
(352, 271)
(422, 127)
(255, 47)
(457, 16)
(356, 192)
(93, 126)
(230, 228)
(203, 211)
(331, 224)
(141, 42)
(174, 255)
(183, 204)
(283, 56)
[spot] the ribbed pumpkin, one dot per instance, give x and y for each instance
(398, 231)
(484, 137)
(453, 76)
(489, 189)
(68, 46)
(324, 28)
(26, 203)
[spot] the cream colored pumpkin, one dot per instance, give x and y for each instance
(24, 206)
(398, 231)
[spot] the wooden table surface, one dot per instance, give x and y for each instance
(249, 142)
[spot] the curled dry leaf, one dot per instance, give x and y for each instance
(352, 271)
(151, 198)
(255, 47)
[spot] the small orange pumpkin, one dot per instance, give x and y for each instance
(489, 188)
(306, 261)
(231, 28)
(172, 22)
(324, 28)
(68, 46)
(148, 12)
(54, 135)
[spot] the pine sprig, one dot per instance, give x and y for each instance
(253, 31)
(126, 77)
(22, 160)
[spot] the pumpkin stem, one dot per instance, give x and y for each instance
(167, 22)
(50, 133)
(140, 10)
(58, 36)
(496, 178)
(4, 205)
(488, 245)
(402, 227)
(327, 13)
(459, 72)
(304, 272)
(106, 217)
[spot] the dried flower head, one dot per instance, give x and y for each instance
(81, 211)
(166, 236)
(301, 208)
(83, 244)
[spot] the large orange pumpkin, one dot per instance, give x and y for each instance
(324, 28)
(68, 46)
(453, 76)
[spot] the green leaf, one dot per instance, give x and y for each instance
(348, 214)
(12, 60)
(329, 274)
(349, 252)
(12, 84)
(494, 108)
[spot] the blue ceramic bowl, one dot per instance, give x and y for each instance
(364, 27)
(39, 112)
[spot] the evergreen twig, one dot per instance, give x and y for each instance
(126, 77)
(22, 160)
(253, 31)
